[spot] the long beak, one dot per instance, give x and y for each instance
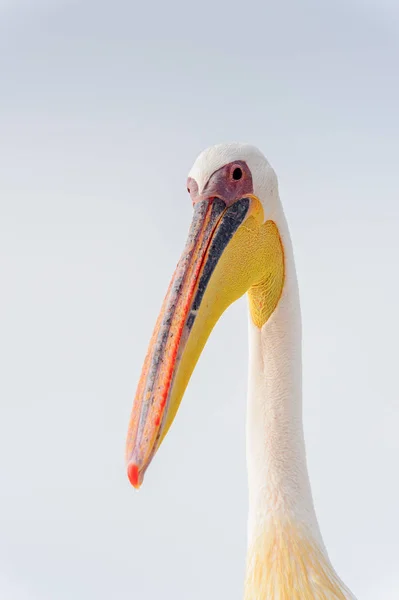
(168, 364)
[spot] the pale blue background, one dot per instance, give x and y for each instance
(103, 108)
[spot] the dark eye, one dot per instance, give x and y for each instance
(188, 189)
(237, 173)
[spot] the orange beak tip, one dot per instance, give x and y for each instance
(134, 475)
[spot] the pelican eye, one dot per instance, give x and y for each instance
(237, 173)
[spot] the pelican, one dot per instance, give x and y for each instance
(239, 243)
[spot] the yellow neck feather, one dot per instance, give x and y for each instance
(285, 563)
(265, 294)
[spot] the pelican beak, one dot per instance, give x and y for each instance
(209, 277)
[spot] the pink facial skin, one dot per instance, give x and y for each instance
(229, 183)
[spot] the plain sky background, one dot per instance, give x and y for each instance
(103, 108)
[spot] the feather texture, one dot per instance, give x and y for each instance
(285, 563)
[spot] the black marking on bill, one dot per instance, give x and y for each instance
(158, 353)
(229, 224)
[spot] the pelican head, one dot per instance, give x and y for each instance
(239, 242)
(233, 247)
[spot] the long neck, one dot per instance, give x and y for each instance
(284, 538)
(277, 472)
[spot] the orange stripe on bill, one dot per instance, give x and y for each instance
(211, 230)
